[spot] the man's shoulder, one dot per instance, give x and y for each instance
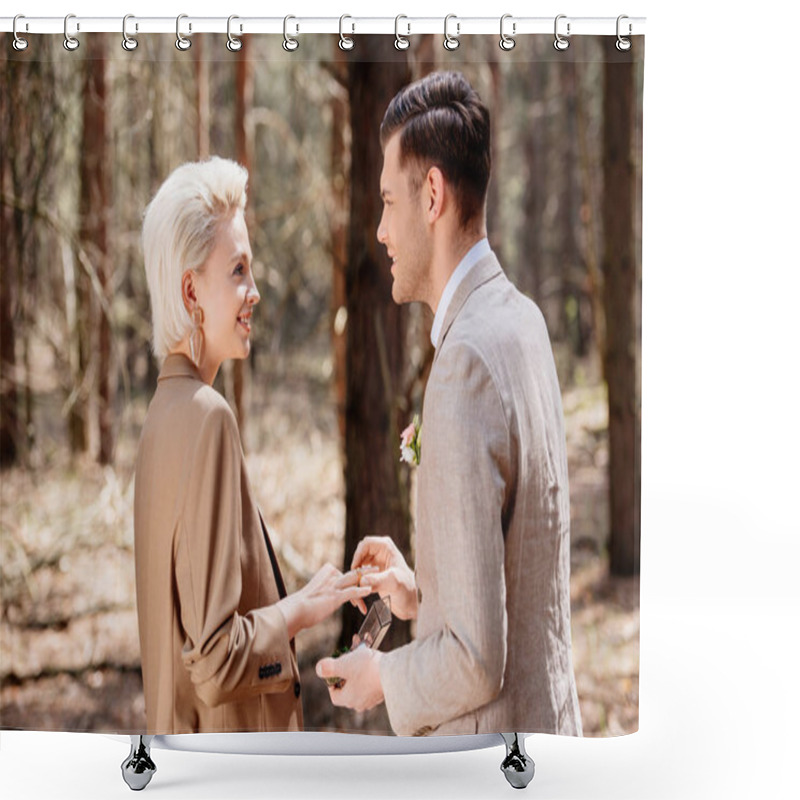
(499, 338)
(494, 315)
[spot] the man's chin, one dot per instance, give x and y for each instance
(399, 295)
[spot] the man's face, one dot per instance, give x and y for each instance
(403, 229)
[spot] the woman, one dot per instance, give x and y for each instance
(215, 623)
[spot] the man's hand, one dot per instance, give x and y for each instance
(393, 576)
(361, 687)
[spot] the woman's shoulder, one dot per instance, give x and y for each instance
(209, 409)
(209, 401)
(189, 405)
(213, 411)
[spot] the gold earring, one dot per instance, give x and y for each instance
(196, 338)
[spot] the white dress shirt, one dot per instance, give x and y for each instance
(475, 254)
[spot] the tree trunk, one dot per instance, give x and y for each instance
(95, 206)
(569, 257)
(340, 177)
(424, 55)
(28, 139)
(202, 98)
(78, 421)
(493, 213)
(588, 174)
(244, 155)
(531, 270)
(376, 488)
(9, 414)
(620, 297)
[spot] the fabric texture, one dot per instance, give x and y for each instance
(216, 654)
(493, 645)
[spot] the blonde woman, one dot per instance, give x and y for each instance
(216, 625)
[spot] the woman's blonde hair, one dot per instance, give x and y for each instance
(178, 232)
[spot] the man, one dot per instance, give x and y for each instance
(491, 589)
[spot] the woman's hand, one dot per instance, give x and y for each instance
(391, 575)
(320, 597)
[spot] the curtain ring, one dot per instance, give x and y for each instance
(451, 42)
(19, 44)
(400, 42)
(233, 44)
(561, 43)
(128, 42)
(623, 44)
(182, 43)
(345, 42)
(507, 42)
(290, 44)
(70, 42)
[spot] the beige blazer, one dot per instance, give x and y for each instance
(216, 654)
(493, 645)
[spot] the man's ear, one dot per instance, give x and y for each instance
(434, 194)
(188, 290)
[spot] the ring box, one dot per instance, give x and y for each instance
(370, 634)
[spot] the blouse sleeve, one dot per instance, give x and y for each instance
(230, 656)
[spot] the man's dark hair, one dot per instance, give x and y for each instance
(443, 123)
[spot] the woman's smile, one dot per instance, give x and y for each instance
(244, 319)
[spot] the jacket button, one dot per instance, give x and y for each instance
(268, 670)
(297, 688)
(419, 596)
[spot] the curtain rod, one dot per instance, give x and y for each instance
(347, 25)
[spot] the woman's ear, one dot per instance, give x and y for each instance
(188, 290)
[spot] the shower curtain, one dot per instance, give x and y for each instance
(331, 403)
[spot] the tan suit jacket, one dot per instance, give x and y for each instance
(493, 646)
(216, 654)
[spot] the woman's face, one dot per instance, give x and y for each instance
(226, 291)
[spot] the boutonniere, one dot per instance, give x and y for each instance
(411, 442)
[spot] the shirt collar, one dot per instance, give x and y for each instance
(177, 365)
(475, 254)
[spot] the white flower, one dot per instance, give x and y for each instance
(408, 455)
(411, 443)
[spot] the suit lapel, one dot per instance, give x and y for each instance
(486, 269)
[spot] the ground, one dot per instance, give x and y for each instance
(69, 655)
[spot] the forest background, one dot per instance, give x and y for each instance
(336, 370)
